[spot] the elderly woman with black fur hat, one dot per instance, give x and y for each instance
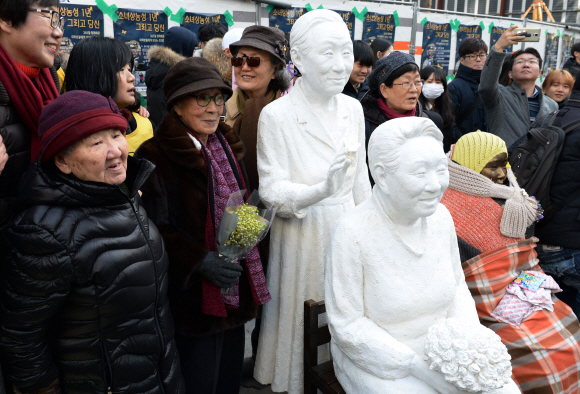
(197, 161)
(260, 69)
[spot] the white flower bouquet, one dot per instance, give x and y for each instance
(471, 357)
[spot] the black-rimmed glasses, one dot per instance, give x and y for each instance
(481, 56)
(55, 19)
(203, 100)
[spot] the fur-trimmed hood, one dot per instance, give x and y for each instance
(164, 55)
(214, 53)
(161, 59)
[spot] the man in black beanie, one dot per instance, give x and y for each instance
(559, 234)
(179, 44)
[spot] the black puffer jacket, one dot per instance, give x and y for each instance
(16, 137)
(84, 291)
(563, 228)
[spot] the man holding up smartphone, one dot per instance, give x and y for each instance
(512, 109)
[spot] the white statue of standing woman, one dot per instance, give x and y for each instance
(393, 269)
(312, 165)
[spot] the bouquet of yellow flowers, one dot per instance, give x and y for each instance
(243, 225)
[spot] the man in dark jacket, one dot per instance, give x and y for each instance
(559, 234)
(364, 60)
(179, 44)
(84, 291)
(512, 109)
(573, 63)
(27, 82)
(463, 90)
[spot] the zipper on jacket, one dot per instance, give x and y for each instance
(109, 381)
(519, 159)
(156, 318)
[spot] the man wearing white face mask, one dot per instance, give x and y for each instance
(435, 97)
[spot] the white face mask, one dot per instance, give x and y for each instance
(431, 91)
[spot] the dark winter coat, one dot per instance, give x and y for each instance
(572, 67)
(463, 91)
(349, 90)
(374, 117)
(84, 291)
(176, 197)
(563, 228)
(16, 137)
(161, 59)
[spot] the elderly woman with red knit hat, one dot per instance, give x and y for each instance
(84, 290)
(492, 217)
(198, 166)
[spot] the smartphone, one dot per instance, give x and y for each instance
(532, 35)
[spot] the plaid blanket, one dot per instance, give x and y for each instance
(545, 348)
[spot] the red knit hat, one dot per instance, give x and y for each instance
(74, 116)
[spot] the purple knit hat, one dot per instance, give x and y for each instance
(74, 116)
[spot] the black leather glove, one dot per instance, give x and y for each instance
(219, 271)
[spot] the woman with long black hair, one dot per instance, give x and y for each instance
(104, 66)
(435, 97)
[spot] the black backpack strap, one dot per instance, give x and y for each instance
(468, 112)
(571, 125)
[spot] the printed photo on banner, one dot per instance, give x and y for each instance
(496, 33)
(82, 21)
(436, 45)
(193, 21)
(551, 54)
(567, 43)
(378, 26)
(141, 29)
(465, 32)
(284, 18)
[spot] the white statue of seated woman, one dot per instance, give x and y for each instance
(393, 268)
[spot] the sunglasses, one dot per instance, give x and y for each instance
(252, 61)
(203, 100)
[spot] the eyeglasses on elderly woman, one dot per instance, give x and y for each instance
(55, 19)
(203, 100)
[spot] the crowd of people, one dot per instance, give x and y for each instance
(110, 210)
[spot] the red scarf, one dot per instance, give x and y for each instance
(27, 97)
(389, 113)
(224, 183)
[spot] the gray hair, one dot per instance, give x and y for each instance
(70, 149)
(386, 141)
(300, 39)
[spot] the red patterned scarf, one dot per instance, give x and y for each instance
(224, 183)
(27, 97)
